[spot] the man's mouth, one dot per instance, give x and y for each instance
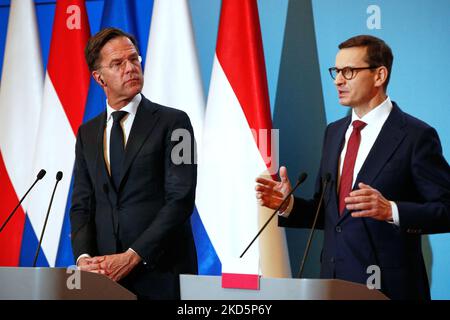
(130, 80)
(342, 93)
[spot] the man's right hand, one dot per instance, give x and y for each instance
(91, 264)
(271, 193)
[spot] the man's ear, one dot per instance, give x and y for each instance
(381, 76)
(98, 78)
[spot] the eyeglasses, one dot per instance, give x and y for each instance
(119, 65)
(347, 72)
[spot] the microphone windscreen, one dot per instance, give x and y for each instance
(302, 177)
(41, 174)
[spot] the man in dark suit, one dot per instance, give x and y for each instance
(132, 196)
(389, 181)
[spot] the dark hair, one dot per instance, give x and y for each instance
(97, 42)
(378, 52)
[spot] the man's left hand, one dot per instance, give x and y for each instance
(368, 202)
(117, 266)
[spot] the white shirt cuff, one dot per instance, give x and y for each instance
(395, 215)
(84, 255)
(288, 210)
(131, 249)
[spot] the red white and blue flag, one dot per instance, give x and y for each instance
(65, 91)
(172, 78)
(237, 149)
(20, 108)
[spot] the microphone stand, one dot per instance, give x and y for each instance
(308, 245)
(300, 180)
(58, 178)
(40, 175)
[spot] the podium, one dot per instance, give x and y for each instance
(57, 284)
(210, 288)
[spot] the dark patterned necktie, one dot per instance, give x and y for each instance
(116, 147)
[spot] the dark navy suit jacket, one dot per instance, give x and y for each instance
(149, 212)
(407, 166)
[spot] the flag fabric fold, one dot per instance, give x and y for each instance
(237, 147)
(20, 107)
(62, 113)
(172, 78)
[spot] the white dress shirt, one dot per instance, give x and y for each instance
(375, 120)
(126, 124)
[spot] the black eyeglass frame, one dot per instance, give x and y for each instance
(353, 74)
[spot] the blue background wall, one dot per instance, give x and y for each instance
(300, 42)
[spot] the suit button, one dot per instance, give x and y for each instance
(338, 229)
(332, 260)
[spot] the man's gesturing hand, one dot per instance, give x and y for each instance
(368, 202)
(271, 193)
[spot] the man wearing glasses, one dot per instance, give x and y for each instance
(389, 181)
(131, 203)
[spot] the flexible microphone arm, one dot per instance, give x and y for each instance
(300, 180)
(59, 176)
(308, 245)
(39, 176)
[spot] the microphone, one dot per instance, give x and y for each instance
(325, 182)
(39, 176)
(302, 177)
(59, 176)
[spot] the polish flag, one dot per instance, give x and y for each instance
(20, 105)
(65, 91)
(237, 148)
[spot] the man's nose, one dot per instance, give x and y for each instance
(339, 80)
(129, 66)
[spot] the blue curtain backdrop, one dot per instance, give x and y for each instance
(300, 42)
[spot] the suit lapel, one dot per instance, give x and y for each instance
(337, 141)
(101, 163)
(388, 140)
(144, 122)
(390, 137)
